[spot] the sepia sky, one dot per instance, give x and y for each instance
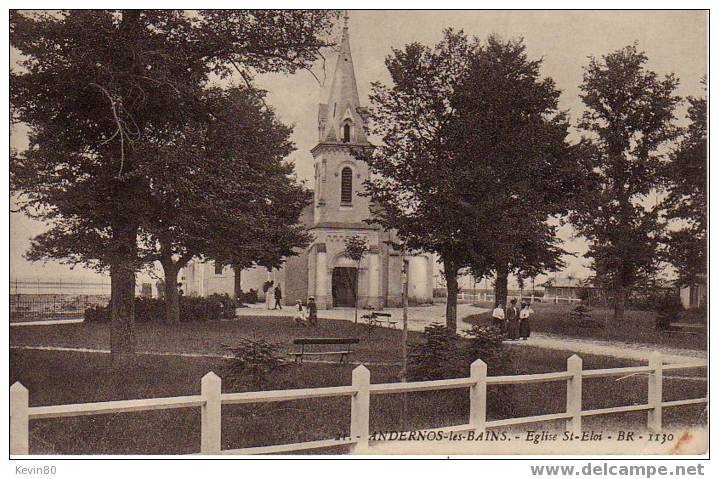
(674, 41)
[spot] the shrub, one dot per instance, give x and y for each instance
(437, 357)
(97, 314)
(252, 361)
(248, 298)
(227, 305)
(191, 309)
(443, 354)
(581, 316)
(668, 308)
(149, 309)
(486, 343)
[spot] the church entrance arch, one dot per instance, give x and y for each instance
(344, 281)
(344, 286)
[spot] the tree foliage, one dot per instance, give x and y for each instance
(413, 185)
(686, 180)
(473, 157)
(629, 114)
(112, 99)
(523, 171)
(356, 248)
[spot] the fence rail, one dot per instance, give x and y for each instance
(34, 307)
(211, 399)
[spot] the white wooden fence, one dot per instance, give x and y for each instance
(211, 400)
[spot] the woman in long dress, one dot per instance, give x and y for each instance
(269, 294)
(524, 315)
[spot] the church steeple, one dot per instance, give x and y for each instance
(340, 119)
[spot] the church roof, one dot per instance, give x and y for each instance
(343, 104)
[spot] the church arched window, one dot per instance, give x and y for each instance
(346, 187)
(346, 133)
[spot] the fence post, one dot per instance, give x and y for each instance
(574, 395)
(19, 433)
(211, 434)
(478, 396)
(654, 390)
(359, 425)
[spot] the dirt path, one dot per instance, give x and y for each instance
(617, 349)
(422, 316)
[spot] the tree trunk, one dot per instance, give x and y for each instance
(620, 301)
(122, 322)
(238, 284)
(172, 294)
(500, 285)
(122, 285)
(450, 273)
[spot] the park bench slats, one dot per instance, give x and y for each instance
(378, 319)
(326, 341)
(319, 353)
(302, 342)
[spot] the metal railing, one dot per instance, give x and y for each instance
(37, 307)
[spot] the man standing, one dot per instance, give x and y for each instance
(278, 297)
(513, 321)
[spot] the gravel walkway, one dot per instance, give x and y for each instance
(421, 316)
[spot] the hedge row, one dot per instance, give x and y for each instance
(191, 309)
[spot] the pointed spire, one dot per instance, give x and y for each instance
(343, 107)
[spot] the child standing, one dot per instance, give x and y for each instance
(312, 311)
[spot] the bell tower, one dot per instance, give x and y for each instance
(341, 131)
(340, 210)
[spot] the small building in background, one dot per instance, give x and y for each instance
(694, 296)
(570, 290)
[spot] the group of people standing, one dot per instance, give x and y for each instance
(513, 321)
(273, 292)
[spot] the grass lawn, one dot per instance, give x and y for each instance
(637, 327)
(65, 377)
(382, 345)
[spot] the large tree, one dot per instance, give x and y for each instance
(220, 188)
(629, 117)
(686, 202)
(473, 159)
(508, 137)
(415, 176)
(95, 87)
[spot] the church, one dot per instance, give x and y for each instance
(337, 212)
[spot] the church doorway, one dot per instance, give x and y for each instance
(344, 286)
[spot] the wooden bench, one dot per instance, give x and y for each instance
(379, 319)
(302, 342)
(685, 328)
